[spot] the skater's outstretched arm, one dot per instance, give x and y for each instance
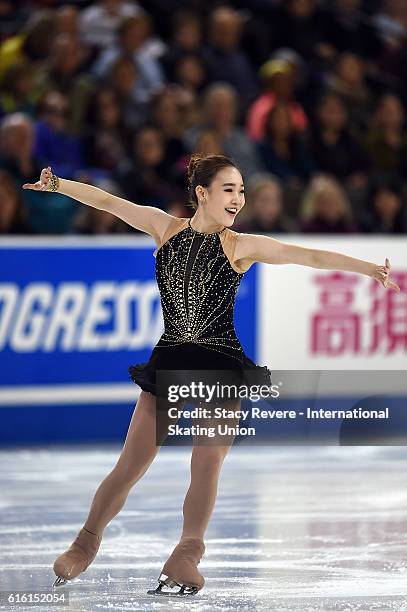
(253, 247)
(149, 219)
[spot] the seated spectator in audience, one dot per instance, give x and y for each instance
(12, 213)
(220, 113)
(279, 78)
(106, 139)
(208, 143)
(99, 22)
(191, 73)
(264, 204)
(123, 79)
(167, 115)
(345, 27)
(50, 213)
(224, 57)
(133, 40)
(386, 140)
(333, 147)
(391, 27)
(54, 146)
(349, 81)
(186, 41)
(143, 177)
(282, 151)
(326, 209)
(67, 20)
(16, 93)
(32, 44)
(386, 206)
(391, 22)
(297, 24)
(94, 221)
(65, 73)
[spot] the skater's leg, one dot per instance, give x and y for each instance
(207, 458)
(144, 437)
(206, 462)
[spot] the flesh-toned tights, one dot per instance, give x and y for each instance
(142, 444)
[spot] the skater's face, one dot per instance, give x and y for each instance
(225, 192)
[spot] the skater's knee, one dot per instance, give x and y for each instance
(208, 458)
(128, 472)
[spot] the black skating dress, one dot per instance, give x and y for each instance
(198, 281)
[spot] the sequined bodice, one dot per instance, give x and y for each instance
(198, 289)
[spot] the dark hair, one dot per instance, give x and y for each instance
(202, 169)
(385, 182)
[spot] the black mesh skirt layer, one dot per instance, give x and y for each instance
(181, 360)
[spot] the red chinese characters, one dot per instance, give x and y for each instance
(340, 328)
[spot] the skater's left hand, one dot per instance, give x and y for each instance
(381, 273)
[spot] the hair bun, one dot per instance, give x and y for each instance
(193, 163)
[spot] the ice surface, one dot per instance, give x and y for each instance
(294, 528)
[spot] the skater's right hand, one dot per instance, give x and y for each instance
(43, 183)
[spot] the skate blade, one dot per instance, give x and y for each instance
(167, 586)
(59, 581)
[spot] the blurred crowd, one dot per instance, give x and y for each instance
(307, 96)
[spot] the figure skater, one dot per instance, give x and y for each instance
(200, 263)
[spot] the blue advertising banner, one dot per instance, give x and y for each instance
(76, 312)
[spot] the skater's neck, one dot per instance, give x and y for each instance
(200, 223)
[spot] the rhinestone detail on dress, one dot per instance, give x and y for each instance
(198, 289)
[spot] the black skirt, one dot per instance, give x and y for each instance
(183, 360)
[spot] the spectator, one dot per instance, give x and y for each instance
(297, 24)
(50, 213)
(191, 73)
(391, 23)
(12, 213)
(123, 78)
(94, 221)
(265, 207)
(279, 78)
(64, 72)
(143, 177)
(54, 146)
(67, 20)
(387, 208)
(32, 44)
(326, 208)
(106, 139)
(100, 21)
(391, 26)
(333, 147)
(167, 116)
(386, 140)
(225, 59)
(220, 108)
(208, 143)
(345, 27)
(282, 151)
(186, 41)
(17, 89)
(133, 41)
(349, 81)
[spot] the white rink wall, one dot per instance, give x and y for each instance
(311, 319)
